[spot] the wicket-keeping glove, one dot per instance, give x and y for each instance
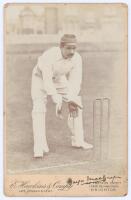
(73, 109)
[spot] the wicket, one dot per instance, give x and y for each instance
(101, 127)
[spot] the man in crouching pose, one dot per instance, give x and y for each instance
(58, 73)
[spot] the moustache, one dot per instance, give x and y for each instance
(70, 55)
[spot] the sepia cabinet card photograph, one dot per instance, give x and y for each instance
(65, 99)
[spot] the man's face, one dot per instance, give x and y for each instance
(68, 50)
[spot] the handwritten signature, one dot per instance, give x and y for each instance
(97, 180)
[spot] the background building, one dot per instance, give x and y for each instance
(54, 20)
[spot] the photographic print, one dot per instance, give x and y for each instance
(65, 99)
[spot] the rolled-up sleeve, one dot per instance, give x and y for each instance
(75, 77)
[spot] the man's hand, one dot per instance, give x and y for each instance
(59, 111)
(57, 99)
(73, 109)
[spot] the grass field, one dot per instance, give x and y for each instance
(100, 79)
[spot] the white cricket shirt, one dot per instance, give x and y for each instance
(60, 75)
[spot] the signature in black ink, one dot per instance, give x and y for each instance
(96, 180)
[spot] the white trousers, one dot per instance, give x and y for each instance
(39, 98)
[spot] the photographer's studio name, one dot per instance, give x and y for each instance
(38, 186)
